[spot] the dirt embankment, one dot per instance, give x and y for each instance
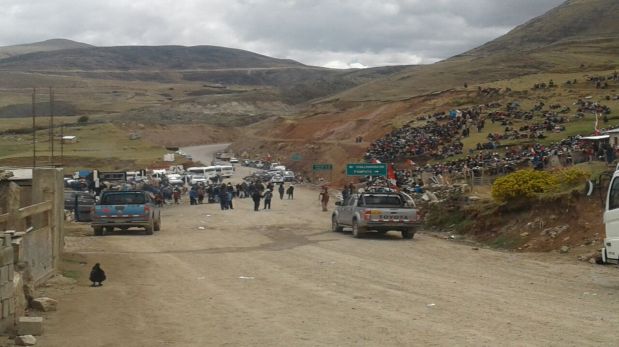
(572, 224)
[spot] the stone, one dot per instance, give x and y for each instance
(525, 234)
(592, 261)
(44, 304)
(30, 326)
(564, 249)
(25, 340)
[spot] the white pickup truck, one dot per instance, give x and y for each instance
(379, 212)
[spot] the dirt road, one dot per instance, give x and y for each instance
(282, 278)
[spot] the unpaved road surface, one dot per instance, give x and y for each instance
(282, 278)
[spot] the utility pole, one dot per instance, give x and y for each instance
(34, 129)
(51, 123)
(61, 143)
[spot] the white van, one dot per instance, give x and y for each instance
(610, 252)
(226, 171)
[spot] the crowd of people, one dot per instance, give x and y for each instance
(440, 138)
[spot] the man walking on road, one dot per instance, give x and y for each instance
(268, 195)
(290, 192)
(324, 198)
(256, 197)
(281, 191)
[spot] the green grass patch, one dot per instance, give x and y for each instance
(74, 274)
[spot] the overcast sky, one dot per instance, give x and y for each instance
(333, 33)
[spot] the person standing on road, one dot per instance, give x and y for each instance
(281, 191)
(268, 195)
(193, 196)
(324, 198)
(290, 192)
(256, 196)
(223, 197)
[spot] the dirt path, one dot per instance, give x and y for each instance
(282, 278)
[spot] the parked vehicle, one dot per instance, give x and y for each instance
(234, 160)
(80, 203)
(175, 179)
(288, 176)
(124, 210)
(195, 179)
(380, 211)
(277, 179)
(610, 252)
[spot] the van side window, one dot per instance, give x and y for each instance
(613, 195)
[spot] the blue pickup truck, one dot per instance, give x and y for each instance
(124, 210)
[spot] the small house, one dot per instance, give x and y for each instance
(69, 139)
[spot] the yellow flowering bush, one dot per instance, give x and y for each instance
(523, 185)
(526, 184)
(572, 177)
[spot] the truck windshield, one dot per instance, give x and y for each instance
(123, 199)
(380, 200)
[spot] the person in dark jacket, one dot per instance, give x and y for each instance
(97, 275)
(256, 196)
(268, 195)
(281, 191)
(290, 192)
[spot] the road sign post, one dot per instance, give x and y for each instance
(322, 168)
(366, 170)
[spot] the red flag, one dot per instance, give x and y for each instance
(391, 176)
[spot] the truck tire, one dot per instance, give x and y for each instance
(158, 224)
(98, 231)
(357, 231)
(150, 227)
(335, 226)
(407, 234)
(108, 229)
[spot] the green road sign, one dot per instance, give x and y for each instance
(322, 167)
(366, 170)
(296, 157)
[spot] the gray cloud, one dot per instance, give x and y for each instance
(336, 33)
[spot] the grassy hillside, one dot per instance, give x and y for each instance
(574, 37)
(144, 58)
(44, 46)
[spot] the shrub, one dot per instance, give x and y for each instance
(82, 119)
(524, 185)
(572, 177)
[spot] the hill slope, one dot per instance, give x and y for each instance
(579, 32)
(143, 58)
(44, 46)
(574, 20)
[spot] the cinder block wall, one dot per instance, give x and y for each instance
(7, 286)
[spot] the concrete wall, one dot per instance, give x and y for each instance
(36, 252)
(8, 299)
(37, 246)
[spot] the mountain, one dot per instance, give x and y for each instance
(574, 20)
(44, 46)
(145, 58)
(575, 34)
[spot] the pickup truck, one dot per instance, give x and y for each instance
(380, 212)
(124, 210)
